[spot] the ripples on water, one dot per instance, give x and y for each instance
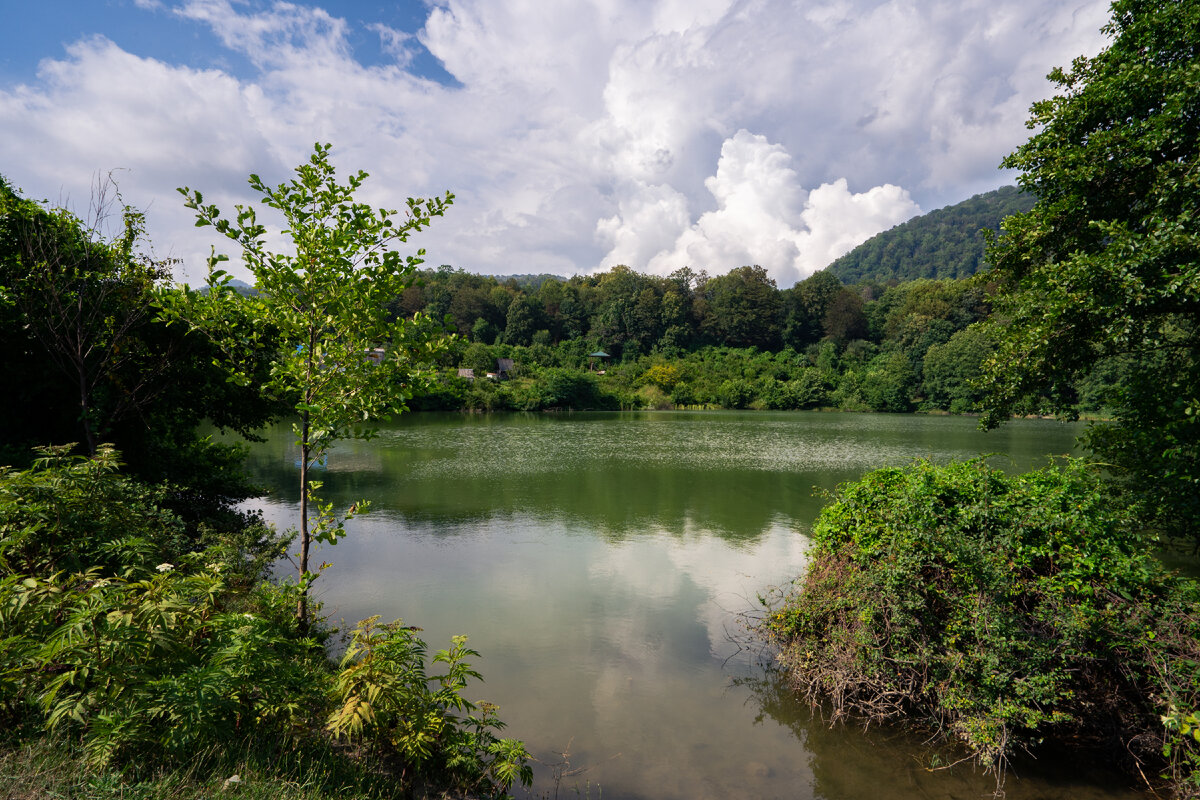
(699, 442)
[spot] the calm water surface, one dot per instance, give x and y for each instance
(603, 564)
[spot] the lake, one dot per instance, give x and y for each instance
(604, 564)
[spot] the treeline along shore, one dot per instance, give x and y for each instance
(621, 339)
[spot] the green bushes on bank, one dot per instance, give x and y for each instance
(1001, 610)
(118, 636)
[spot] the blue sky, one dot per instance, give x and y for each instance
(37, 30)
(576, 134)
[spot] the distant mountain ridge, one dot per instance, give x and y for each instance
(946, 243)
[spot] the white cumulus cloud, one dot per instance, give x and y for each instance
(763, 216)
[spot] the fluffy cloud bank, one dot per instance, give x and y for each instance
(763, 216)
(575, 135)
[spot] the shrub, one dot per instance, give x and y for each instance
(143, 659)
(775, 395)
(480, 357)
(1000, 610)
(654, 398)
(570, 389)
(444, 393)
(69, 514)
(888, 383)
(483, 396)
(952, 370)
(664, 376)
(848, 396)
(154, 667)
(810, 389)
(110, 628)
(735, 393)
(684, 394)
(388, 702)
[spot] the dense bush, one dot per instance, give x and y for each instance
(1002, 610)
(117, 634)
(90, 358)
(387, 702)
(952, 370)
(561, 388)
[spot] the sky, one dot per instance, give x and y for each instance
(575, 134)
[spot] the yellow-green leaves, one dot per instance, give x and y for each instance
(385, 699)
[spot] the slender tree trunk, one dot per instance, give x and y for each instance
(77, 355)
(305, 541)
(85, 415)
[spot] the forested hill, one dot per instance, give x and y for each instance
(946, 243)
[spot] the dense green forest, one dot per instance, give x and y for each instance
(898, 343)
(690, 339)
(687, 340)
(946, 243)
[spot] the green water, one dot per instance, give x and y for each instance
(604, 563)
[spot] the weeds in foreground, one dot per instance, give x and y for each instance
(47, 768)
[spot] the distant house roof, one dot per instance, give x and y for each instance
(504, 365)
(466, 372)
(598, 354)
